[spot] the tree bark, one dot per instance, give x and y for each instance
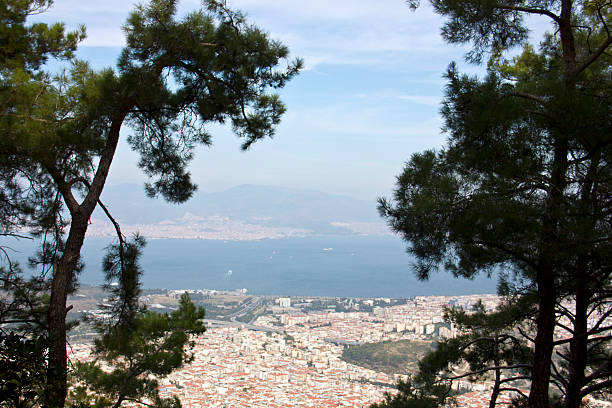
(548, 267)
(578, 347)
(549, 246)
(56, 390)
(545, 326)
(496, 385)
(62, 275)
(583, 294)
(566, 33)
(545, 322)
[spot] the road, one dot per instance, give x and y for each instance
(247, 308)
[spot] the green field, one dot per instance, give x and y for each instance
(390, 357)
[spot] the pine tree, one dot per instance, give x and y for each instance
(61, 132)
(150, 346)
(523, 184)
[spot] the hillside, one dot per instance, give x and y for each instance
(390, 357)
(241, 212)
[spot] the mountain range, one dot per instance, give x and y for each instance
(262, 211)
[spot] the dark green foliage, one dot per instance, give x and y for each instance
(153, 344)
(492, 345)
(30, 46)
(23, 302)
(23, 339)
(489, 24)
(522, 187)
(223, 79)
(123, 277)
(22, 370)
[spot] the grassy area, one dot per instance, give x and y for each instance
(391, 357)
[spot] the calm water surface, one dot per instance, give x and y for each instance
(351, 266)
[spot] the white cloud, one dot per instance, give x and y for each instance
(339, 32)
(349, 32)
(359, 32)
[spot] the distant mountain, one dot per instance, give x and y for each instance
(265, 206)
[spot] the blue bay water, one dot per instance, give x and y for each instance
(334, 266)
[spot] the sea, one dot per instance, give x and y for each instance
(328, 266)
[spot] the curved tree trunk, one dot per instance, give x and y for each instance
(56, 390)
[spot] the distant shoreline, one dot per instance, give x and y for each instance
(247, 293)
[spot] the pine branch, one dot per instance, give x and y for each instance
(484, 370)
(138, 402)
(595, 387)
(532, 97)
(520, 377)
(564, 327)
(558, 376)
(602, 318)
(604, 369)
(566, 312)
(504, 249)
(514, 390)
(522, 332)
(63, 187)
(530, 10)
(593, 57)
(597, 341)
(14, 235)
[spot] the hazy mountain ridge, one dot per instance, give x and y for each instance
(241, 212)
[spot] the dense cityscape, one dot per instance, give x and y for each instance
(265, 351)
(286, 356)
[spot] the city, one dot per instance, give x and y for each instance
(290, 351)
(425, 155)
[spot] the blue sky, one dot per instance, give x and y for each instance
(367, 99)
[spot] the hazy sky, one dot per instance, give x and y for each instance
(367, 99)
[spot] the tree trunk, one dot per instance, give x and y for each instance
(545, 277)
(578, 347)
(496, 385)
(545, 326)
(55, 393)
(549, 251)
(62, 276)
(567, 39)
(584, 272)
(495, 392)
